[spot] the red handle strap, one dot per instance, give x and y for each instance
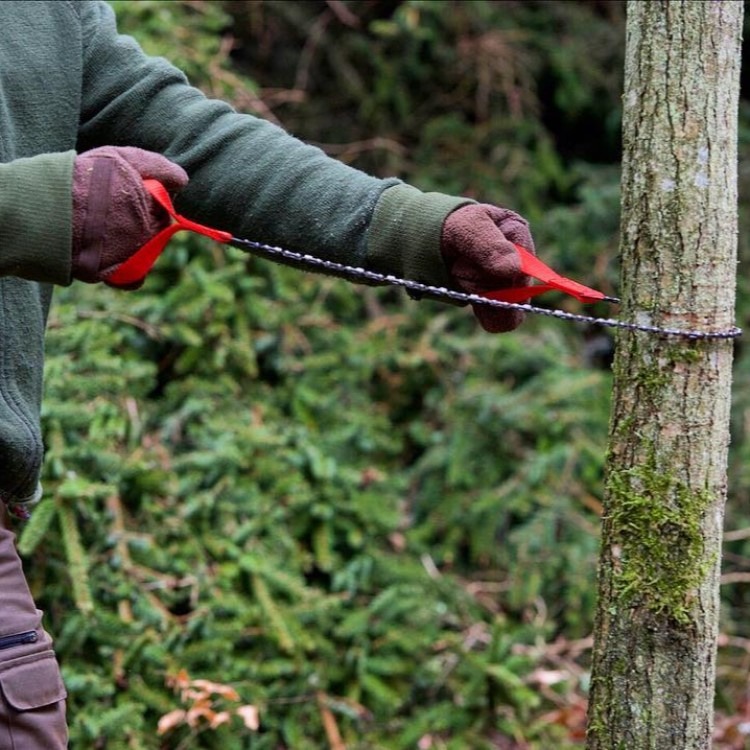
(532, 266)
(137, 266)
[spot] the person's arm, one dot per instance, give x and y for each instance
(248, 176)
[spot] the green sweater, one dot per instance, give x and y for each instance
(68, 83)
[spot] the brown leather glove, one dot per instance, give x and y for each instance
(113, 215)
(476, 245)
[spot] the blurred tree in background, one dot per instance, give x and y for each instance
(284, 511)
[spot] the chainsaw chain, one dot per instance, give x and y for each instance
(355, 273)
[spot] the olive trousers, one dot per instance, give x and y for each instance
(32, 694)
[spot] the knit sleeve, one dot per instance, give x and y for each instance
(247, 175)
(35, 217)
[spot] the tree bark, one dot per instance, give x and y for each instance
(657, 615)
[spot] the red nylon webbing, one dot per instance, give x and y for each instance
(532, 266)
(135, 268)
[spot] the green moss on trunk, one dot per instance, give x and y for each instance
(657, 524)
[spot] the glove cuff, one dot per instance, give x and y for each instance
(92, 185)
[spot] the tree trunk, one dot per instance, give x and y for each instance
(657, 616)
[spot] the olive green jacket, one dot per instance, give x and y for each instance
(68, 83)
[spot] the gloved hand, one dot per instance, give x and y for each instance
(113, 215)
(476, 245)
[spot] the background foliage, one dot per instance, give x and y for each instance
(287, 512)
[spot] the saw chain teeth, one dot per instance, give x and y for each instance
(355, 273)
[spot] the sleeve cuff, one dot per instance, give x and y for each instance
(404, 235)
(36, 216)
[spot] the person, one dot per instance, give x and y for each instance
(85, 116)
